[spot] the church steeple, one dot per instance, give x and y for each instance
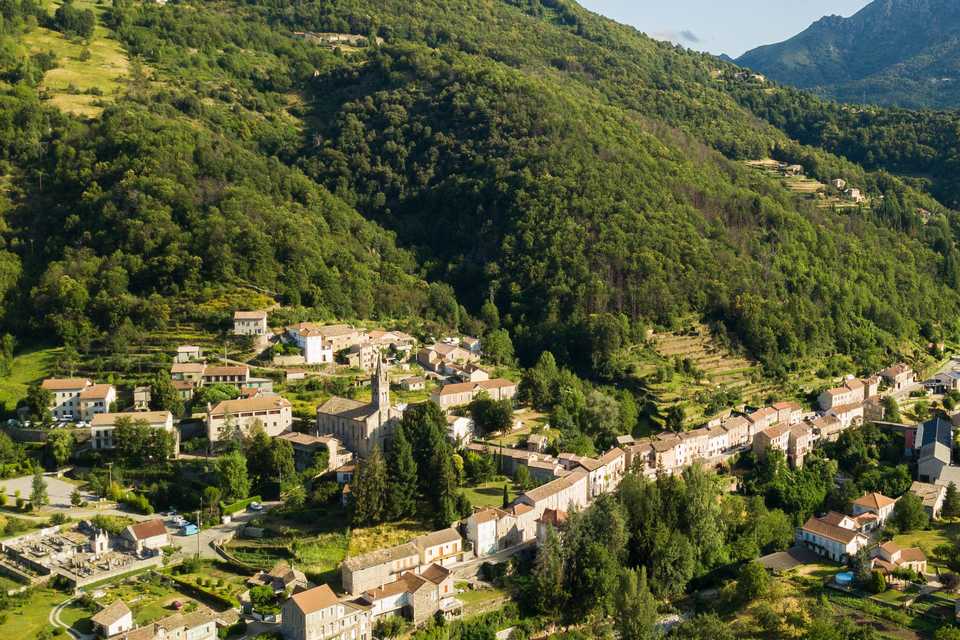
(380, 386)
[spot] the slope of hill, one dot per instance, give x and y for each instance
(572, 170)
(892, 52)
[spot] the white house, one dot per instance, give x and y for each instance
(146, 537)
(832, 541)
(312, 341)
(250, 323)
(97, 399)
(103, 425)
(65, 392)
(875, 503)
(115, 618)
(188, 353)
(459, 429)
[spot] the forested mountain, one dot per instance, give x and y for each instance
(579, 174)
(892, 52)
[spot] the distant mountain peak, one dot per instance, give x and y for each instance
(892, 52)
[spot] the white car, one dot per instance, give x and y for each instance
(255, 506)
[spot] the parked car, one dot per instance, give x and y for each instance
(255, 506)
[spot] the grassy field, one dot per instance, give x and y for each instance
(27, 617)
(479, 600)
(87, 72)
(385, 535)
(490, 494)
(28, 367)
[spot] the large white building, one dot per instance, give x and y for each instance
(65, 400)
(103, 425)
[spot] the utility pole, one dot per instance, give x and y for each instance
(199, 525)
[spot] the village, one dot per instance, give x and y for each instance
(433, 573)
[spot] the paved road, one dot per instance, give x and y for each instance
(189, 545)
(55, 621)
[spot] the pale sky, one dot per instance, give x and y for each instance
(722, 26)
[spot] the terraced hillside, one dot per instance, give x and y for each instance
(693, 370)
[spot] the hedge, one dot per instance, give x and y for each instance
(239, 505)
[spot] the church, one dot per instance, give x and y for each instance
(357, 425)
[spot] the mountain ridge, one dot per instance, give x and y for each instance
(891, 52)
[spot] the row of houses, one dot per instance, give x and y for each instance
(116, 623)
(189, 376)
(321, 344)
(579, 481)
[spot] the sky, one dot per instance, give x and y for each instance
(722, 26)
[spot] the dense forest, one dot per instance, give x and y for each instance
(580, 176)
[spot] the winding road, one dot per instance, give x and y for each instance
(56, 622)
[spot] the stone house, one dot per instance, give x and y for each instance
(454, 395)
(103, 425)
(65, 396)
(112, 620)
(317, 614)
(306, 447)
(898, 376)
(97, 399)
(147, 537)
(361, 426)
(250, 323)
(876, 503)
(273, 413)
(830, 540)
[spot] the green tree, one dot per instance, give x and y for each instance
(490, 315)
(522, 478)
(878, 584)
(498, 348)
(38, 403)
(506, 496)
(164, 396)
(369, 490)
(753, 583)
(59, 446)
(951, 502)
(75, 498)
(490, 416)
(38, 493)
(676, 416)
(549, 576)
(636, 608)
(403, 476)
(909, 514)
(232, 477)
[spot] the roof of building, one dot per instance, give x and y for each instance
(612, 455)
(847, 408)
(346, 408)
(249, 315)
(227, 370)
(787, 406)
(912, 554)
(188, 367)
(184, 620)
(443, 536)
(762, 414)
(827, 424)
(413, 380)
(874, 501)
(112, 614)
(736, 422)
(406, 583)
(554, 486)
(827, 530)
(890, 547)
(896, 370)
(929, 493)
(314, 599)
(486, 515)
(625, 439)
(695, 434)
(537, 438)
(148, 529)
(381, 556)
(96, 392)
(776, 431)
(520, 509)
(305, 439)
(464, 387)
(150, 417)
(936, 430)
(800, 430)
(435, 573)
(241, 405)
(65, 384)
(834, 518)
(188, 348)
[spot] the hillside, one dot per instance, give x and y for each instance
(892, 52)
(575, 172)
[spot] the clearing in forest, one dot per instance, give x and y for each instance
(87, 73)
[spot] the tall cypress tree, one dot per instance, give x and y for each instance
(636, 608)
(549, 576)
(403, 477)
(369, 495)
